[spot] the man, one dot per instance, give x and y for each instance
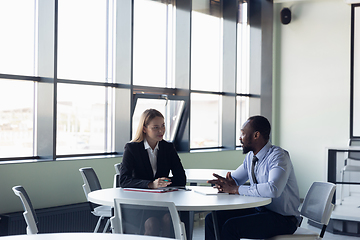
(273, 177)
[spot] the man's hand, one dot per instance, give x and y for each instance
(226, 185)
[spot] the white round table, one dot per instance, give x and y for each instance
(77, 236)
(185, 201)
(196, 176)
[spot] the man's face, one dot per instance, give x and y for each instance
(246, 138)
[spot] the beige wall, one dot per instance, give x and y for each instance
(312, 83)
(59, 182)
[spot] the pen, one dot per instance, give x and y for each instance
(166, 180)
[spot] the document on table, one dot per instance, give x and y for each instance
(156, 190)
(206, 190)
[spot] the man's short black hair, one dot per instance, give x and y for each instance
(262, 125)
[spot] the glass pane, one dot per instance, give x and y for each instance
(205, 121)
(81, 119)
(243, 48)
(152, 43)
(242, 114)
(17, 42)
(82, 40)
(16, 118)
(205, 45)
(171, 110)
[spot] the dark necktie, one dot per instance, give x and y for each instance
(254, 160)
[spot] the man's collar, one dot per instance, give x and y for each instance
(261, 154)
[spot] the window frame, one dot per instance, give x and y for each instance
(125, 91)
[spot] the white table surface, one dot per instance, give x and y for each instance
(77, 236)
(202, 175)
(183, 200)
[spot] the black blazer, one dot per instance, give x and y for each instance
(136, 171)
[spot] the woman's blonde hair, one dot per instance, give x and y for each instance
(146, 117)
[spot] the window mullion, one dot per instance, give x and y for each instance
(46, 117)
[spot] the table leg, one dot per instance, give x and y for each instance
(187, 217)
(216, 228)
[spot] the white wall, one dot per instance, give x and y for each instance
(312, 84)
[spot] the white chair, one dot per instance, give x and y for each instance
(131, 214)
(350, 165)
(317, 207)
(29, 213)
(117, 175)
(92, 183)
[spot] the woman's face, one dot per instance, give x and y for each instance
(154, 131)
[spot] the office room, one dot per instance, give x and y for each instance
(298, 76)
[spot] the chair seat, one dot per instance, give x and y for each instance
(104, 211)
(351, 168)
(300, 233)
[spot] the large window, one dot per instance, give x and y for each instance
(75, 75)
(210, 79)
(84, 53)
(17, 96)
(206, 59)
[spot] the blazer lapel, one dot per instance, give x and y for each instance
(160, 160)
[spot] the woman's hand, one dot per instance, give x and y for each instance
(160, 182)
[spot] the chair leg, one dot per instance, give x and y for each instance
(106, 226)
(98, 224)
(323, 231)
(342, 187)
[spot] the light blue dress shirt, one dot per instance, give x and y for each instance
(276, 179)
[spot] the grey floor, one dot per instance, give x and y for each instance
(199, 230)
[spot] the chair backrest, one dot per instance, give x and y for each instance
(317, 204)
(117, 175)
(117, 167)
(29, 213)
(116, 183)
(354, 155)
(91, 181)
(130, 216)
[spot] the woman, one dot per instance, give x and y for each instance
(146, 163)
(148, 159)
